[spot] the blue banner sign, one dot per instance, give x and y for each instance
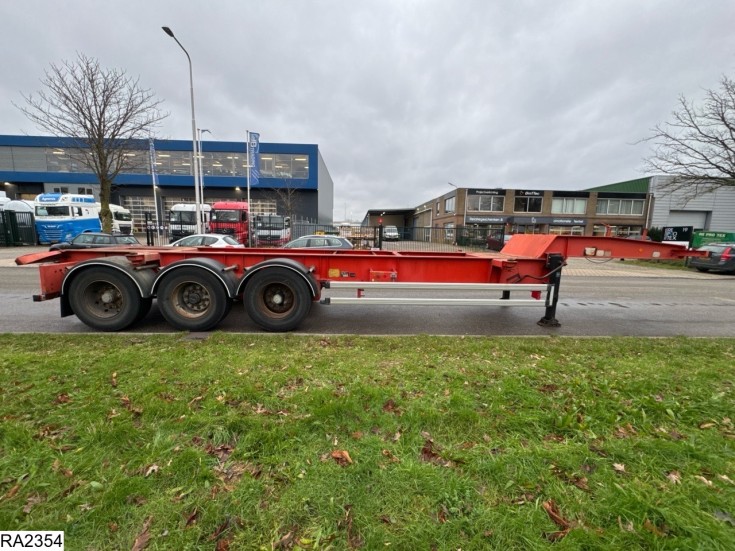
(254, 158)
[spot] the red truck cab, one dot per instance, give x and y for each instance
(231, 218)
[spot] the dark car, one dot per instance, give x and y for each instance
(91, 240)
(319, 242)
(721, 258)
(496, 241)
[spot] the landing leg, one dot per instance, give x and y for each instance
(554, 263)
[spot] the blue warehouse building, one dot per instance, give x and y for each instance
(294, 180)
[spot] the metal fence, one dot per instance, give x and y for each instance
(17, 229)
(372, 237)
(409, 238)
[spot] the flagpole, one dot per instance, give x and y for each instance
(250, 225)
(154, 178)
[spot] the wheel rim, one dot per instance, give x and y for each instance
(103, 300)
(277, 299)
(191, 300)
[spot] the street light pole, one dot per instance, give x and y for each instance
(195, 158)
(201, 131)
(250, 210)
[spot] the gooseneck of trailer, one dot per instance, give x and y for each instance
(111, 289)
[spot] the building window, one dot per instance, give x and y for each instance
(617, 231)
(139, 207)
(629, 207)
(263, 207)
(449, 204)
(566, 230)
(486, 203)
(449, 232)
(568, 205)
(284, 166)
(527, 204)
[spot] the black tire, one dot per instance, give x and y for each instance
(703, 269)
(105, 299)
(145, 307)
(193, 299)
(277, 299)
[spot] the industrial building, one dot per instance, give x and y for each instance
(293, 179)
(622, 209)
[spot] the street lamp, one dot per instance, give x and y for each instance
(195, 158)
(201, 131)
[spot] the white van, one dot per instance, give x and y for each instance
(390, 233)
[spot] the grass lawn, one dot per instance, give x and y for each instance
(288, 442)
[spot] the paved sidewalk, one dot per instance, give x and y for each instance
(619, 268)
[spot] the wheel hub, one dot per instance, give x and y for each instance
(103, 299)
(107, 296)
(193, 300)
(278, 299)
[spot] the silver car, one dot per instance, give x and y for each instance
(319, 242)
(208, 240)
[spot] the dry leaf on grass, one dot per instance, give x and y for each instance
(627, 526)
(703, 480)
(553, 511)
(285, 541)
(430, 455)
(342, 457)
(656, 530)
(192, 517)
(142, 539)
(725, 478)
(62, 399)
(391, 407)
(674, 477)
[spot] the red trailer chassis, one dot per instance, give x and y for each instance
(111, 289)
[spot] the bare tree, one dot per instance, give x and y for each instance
(697, 147)
(106, 114)
(289, 198)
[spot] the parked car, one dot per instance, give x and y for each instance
(496, 243)
(208, 240)
(319, 242)
(390, 233)
(91, 240)
(721, 258)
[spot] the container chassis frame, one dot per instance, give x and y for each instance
(111, 289)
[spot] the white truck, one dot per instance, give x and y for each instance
(122, 219)
(182, 219)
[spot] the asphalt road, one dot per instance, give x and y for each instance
(596, 299)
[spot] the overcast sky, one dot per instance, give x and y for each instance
(402, 96)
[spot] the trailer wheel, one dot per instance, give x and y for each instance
(106, 299)
(145, 307)
(193, 300)
(277, 299)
